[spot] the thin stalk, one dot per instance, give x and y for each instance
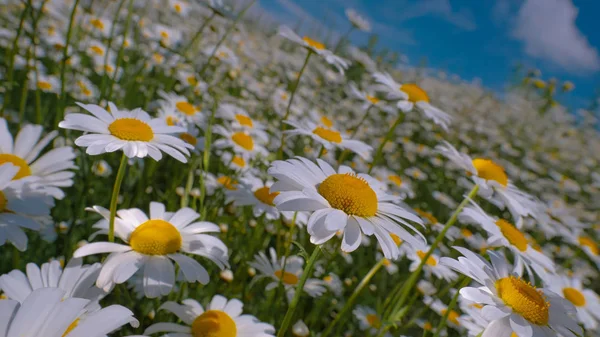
(343, 38)
(190, 182)
(451, 305)
(354, 131)
(299, 289)
(350, 303)
(108, 46)
(63, 99)
(121, 50)
(206, 156)
(289, 106)
(229, 30)
(198, 33)
(387, 138)
(115, 198)
(11, 61)
(24, 89)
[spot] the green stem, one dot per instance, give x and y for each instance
(63, 99)
(206, 156)
(349, 304)
(354, 131)
(299, 290)
(289, 106)
(344, 38)
(24, 90)
(387, 138)
(11, 61)
(108, 46)
(190, 182)
(115, 198)
(198, 33)
(121, 50)
(442, 323)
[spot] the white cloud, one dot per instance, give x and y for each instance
(549, 32)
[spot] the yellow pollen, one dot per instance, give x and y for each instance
(155, 237)
(3, 202)
(214, 323)
(164, 34)
(514, 335)
(97, 23)
(24, 169)
(584, 241)
(97, 50)
(395, 179)
(265, 196)
(109, 68)
(328, 278)
(574, 296)
(312, 43)
(452, 316)
(328, 135)
(192, 80)
(373, 320)
(131, 129)
(244, 120)
(426, 215)
(170, 120)
(512, 234)
(396, 239)
(386, 262)
(431, 261)
(286, 277)
(244, 140)
(466, 233)
(188, 138)
(489, 170)
(177, 8)
(524, 299)
(284, 96)
(427, 326)
(227, 182)
(186, 108)
(373, 99)
(239, 161)
(71, 327)
(44, 85)
(326, 122)
(158, 58)
(349, 193)
(414, 92)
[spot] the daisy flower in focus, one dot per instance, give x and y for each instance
(342, 201)
(358, 21)
(314, 47)
(150, 243)
(287, 272)
(251, 191)
(410, 95)
(586, 301)
(134, 132)
(221, 318)
(179, 106)
(50, 170)
(241, 142)
(510, 302)
(329, 138)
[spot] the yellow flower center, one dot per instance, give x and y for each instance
(489, 170)
(524, 299)
(431, 261)
(177, 8)
(44, 85)
(131, 129)
(426, 215)
(158, 58)
(315, 44)
(3, 202)
(188, 138)
(514, 335)
(414, 92)
(170, 120)
(373, 320)
(512, 234)
(575, 296)
(244, 140)
(97, 23)
(239, 161)
(24, 169)
(109, 68)
(155, 237)
(97, 50)
(265, 196)
(396, 239)
(328, 278)
(214, 323)
(395, 179)
(244, 120)
(452, 316)
(192, 80)
(71, 327)
(326, 122)
(373, 99)
(328, 135)
(286, 277)
(466, 233)
(387, 262)
(584, 241)
(427, 326)
(349, 193)
(186, 108)
(227, 182)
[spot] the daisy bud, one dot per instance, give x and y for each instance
(300, 329)
(226, 275)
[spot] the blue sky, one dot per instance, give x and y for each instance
(472, 38)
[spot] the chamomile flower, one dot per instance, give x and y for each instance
(441, 309)
(510, 302)
(314, 47)
(368, 98)
(368, 319)
(221, 318)
(134, 132)
(287, 272)
(50, 170)
(181, 107)
(254, 192)
(329, 138)
(101, 168)
(341, 201)
(192, 137)
(45, 83)
(357, 20)
(241, 142)
(586, 301)
(150, 243)
(237, 163)
(432, 265)
(410, 95)
(240, 119)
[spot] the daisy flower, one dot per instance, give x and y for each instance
(22, 205)
(586, 301)
(150, 243)
(503, 233)
(314, 47)
(237, 163)
(240, 119)
(253, 192)
(329, 138)
(184, 111)
(287, 272)
(341, 201)
(410, 95)
(358, 21)
(135, 132)
(45, 83)
(50, 170)
(46, 312)
(368, 319)
(101, 168)
(441, 309)
(368, 99)
(221, 318)
(432, 265)
(241, 142)
(510, 302)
